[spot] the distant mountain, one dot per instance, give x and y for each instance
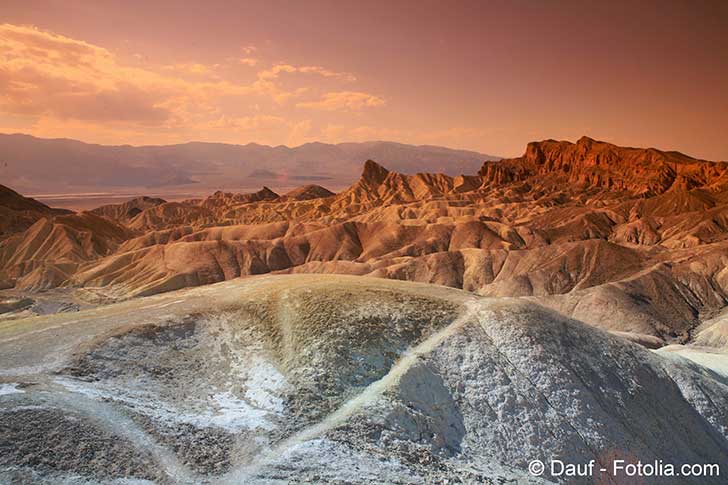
(35, 165)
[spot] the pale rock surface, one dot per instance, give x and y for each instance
(335, 379)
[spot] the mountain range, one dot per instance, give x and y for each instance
(58, 166)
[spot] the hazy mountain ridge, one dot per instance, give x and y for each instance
(63, 165)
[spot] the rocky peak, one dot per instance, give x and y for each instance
(373, 173)
(308, 192)
(266, 194)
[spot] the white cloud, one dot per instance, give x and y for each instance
(344, 101)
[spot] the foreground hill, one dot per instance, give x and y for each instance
(338, 379)
(630, 240)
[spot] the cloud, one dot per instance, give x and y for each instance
(193, 68)
(267, 129)
(327, 73)
(344, 101)
(336, 133)
(275, 71)
(59, 50)
(246, 123)
(47, 74)
(300, 133)
(267, 81)
(54, 85)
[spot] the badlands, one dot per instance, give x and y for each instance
(567, 304)
(630, 240)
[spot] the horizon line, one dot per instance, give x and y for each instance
(425, 145)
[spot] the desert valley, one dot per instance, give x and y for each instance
(625, 239)
(335, 242)
(411, 328)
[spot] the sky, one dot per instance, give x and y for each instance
(488, 76)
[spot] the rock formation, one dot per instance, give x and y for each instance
(17, 213)
(631, 240)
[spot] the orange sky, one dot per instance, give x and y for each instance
(487, 76)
